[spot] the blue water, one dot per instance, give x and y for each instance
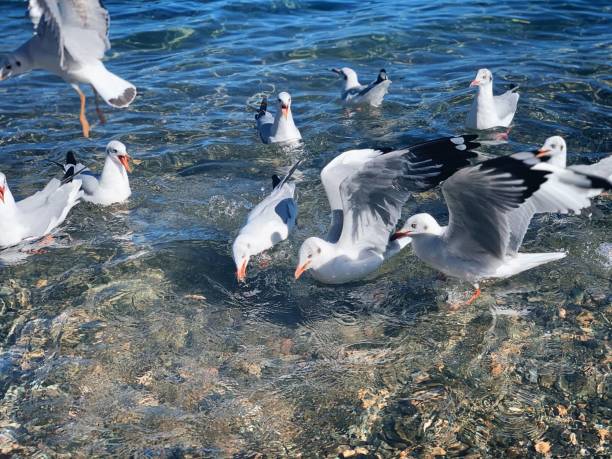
(130, 335)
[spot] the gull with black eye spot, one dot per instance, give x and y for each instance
(488, 218)
(366, 190)
(37, 215)
(489, 111)
(356, 93)
(70, 41)
(280, 128)
(112, 185)
(269, 223)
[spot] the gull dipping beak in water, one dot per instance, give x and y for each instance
(269, 223)
(70, 41)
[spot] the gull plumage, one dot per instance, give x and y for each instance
(71, 37)
(366, 190)
(280, 128)
(269, 223)
(354, 92)
(489, 111)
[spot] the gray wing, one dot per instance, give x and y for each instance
(373, 197)
(602, 168)
(264, 126)
(506, 103)
(287, 211)
(78, 28)
(479, 200)
(519, 220)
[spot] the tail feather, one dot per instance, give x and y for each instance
(114, 90)
(524, 261)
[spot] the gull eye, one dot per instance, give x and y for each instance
(319, 250)
(309, 255)
(425, 227)
(562, 147)
(413, 225)
(8, 66)
(18, 63)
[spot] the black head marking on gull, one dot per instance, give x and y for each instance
(382, 76)
(275, 181)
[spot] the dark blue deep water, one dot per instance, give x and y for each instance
(130, 336)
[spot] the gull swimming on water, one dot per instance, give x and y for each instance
(71, 37)
(113, 184)
(277, 129)
(269, 223)
(366, 190)
(37, 215)
(489, 111)
(478, 243)
(354, 92)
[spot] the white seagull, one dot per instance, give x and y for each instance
(279, 129)
(477, 243)
(37, 215)
(366, 190)
(71, 37)
(269, 223)
(354, 92)
(489, 111)
(113, 184)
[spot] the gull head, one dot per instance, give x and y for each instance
(314, 253)
(242, 250)
(117, 152)
(13, 65)
(418, 224)
(284, 103)
(554, 151)
(2, 187)
(484, 77)
(349, 76)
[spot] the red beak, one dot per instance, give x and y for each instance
(241, 273)
(474, 83)
(124, 161)
(300, 270)
(2, 193)
(285, 111)
(400, 234)
(542, 152)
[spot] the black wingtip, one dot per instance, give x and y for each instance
(68, 176)
(521, 168)
(382, 76)
(289, 174)
(275, 181)
(71, 158)
(263, 108)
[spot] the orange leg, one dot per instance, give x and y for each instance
(475, 295)
(82, 118)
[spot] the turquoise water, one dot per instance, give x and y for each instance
(130, 335)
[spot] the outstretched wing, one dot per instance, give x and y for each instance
(373, 196)
(78, 28)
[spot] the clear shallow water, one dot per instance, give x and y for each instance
(130, 336)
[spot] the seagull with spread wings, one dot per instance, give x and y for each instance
(70, 39)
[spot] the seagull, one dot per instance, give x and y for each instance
(37, 215)
(489, 111)
(280, 128)
(71, 37)
(112, 185)
(477, 243)
(366, 190)
(355, 93)
(554, 152)
(269, 223)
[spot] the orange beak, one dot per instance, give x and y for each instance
(285, 111)
(124, 161)
(400, 234)
(2, 193)
(241, 273)
(300, 270)
(542, 152)
(474, 83)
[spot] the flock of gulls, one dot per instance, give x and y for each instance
(490, 202)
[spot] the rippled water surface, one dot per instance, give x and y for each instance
(129, 335)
